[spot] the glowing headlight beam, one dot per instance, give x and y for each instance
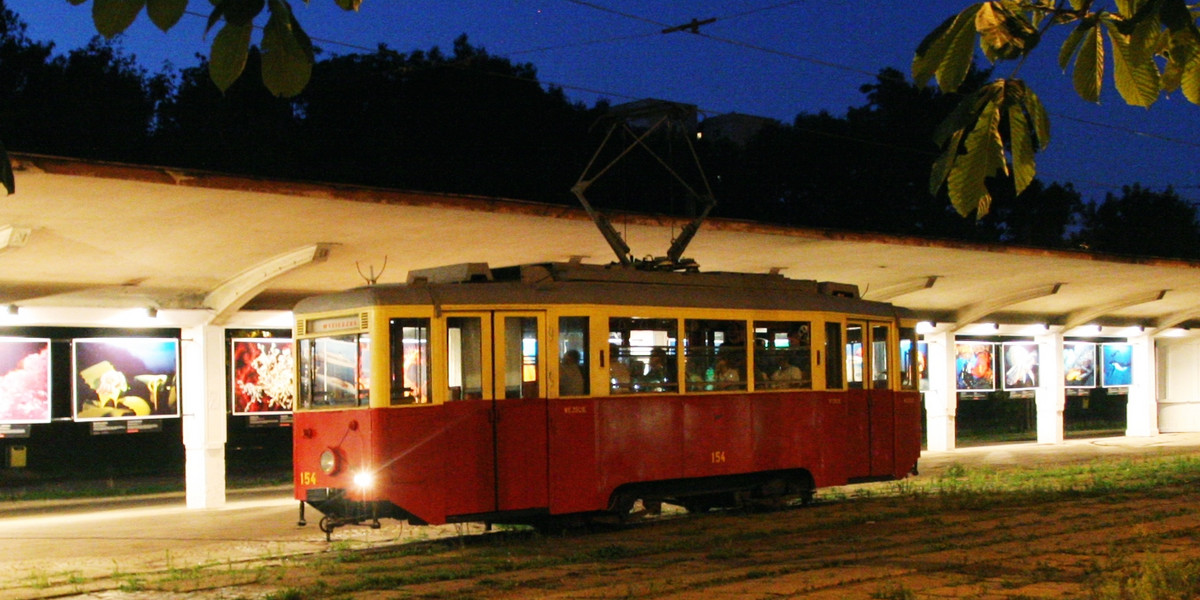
(364, 479)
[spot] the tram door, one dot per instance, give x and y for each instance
(872, 411)
(495, 369)
(519, 423)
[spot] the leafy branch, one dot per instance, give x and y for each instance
(287, 50)
(995, 131)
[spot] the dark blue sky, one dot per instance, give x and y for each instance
(766, 57)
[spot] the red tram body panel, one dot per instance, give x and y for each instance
(488, 450)
(569, 456)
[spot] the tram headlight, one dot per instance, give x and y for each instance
(329, 462)
(363, 480)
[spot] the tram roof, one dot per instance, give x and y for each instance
(82, 234)
(586, 284)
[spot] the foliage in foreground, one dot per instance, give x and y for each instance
(1153, 45)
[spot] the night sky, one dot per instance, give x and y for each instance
(764, 57)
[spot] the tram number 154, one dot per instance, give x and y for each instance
(718, 457)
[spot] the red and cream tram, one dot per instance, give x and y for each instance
(529, 393)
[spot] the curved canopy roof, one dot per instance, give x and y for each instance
(100, 235)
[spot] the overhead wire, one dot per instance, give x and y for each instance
(848, 68)
(742, 44)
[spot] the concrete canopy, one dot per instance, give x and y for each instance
(103, 235)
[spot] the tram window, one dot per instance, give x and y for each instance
(521, 357)
(910, 359)
(782, 355)
(854, 356)
(332, 371)
(715, 355)
(833, 356)
(643, 355)
(409, 360)
(364, 388)
(572, 350)
(879, 356)
(464, 345)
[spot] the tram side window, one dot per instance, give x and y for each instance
(782, 355)
(833, 356)
(643, 355)
(464, 343)
(333, 372)
(854, 356)
(910, 359)
(879, 356)
(572, 350)
(521, 357)
(715, 355)
(410, 360)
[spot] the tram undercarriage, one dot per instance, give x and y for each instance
(629, 503)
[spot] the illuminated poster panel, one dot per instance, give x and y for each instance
(125, 378)
(1118, 365)
(24, 380)
(1020, 365)
(1079, 364)
(974, 366)
(264, 376)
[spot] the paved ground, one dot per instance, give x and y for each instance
(1032, 453)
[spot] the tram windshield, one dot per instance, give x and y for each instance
(334, 371)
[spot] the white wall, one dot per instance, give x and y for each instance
(1178, 385)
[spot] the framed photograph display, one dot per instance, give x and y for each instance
(1020, 360)
(125, 378)
(24, 380)
(264, 376)
(974, 366)
(1117, 361)
(1079, 364)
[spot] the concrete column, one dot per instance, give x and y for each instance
(203, 387)
(941, 400)
(1051, 394)
(1142, 410)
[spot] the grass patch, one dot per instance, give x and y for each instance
(1153, 578)
(893, 591)
(981, 487)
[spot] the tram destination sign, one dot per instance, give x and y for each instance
(334, 324)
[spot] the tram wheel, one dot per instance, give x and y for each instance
(623, 505)
(806, 497)
(327, 526)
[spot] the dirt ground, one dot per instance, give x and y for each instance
(879, 541)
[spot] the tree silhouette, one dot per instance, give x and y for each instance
(467, 123)
(245, 129)
(1141, 222)
(869, 171)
